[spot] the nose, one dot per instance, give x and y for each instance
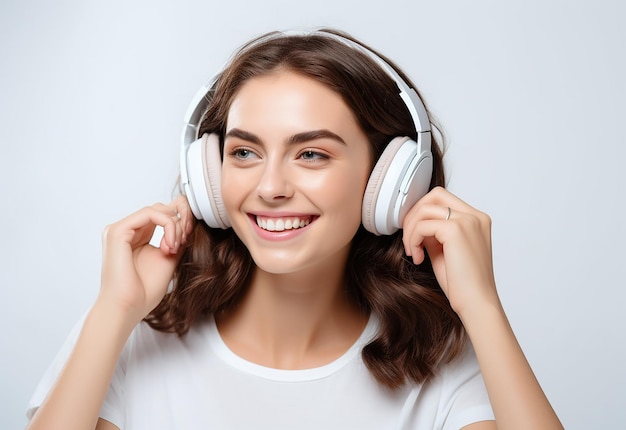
(274, 183)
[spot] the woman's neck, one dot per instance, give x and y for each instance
(293, 321)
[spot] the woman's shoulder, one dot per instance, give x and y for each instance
(463, 366)
(145, 336)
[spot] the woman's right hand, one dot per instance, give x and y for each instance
(135, 274)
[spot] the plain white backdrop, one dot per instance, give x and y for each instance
(531, 94)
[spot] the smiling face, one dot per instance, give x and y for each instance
(295, 167)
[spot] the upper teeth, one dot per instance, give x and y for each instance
(280, 224)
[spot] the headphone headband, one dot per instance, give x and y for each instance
(409, 95)
(401, 176)
(200, 101)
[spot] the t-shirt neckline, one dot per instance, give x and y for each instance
(281, 375)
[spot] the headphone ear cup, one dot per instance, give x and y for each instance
(374, 183)
(204, 166)
(399, 179)
(213, 173)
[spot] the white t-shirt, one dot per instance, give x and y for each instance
(163, 381)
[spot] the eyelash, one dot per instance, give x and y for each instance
(237, 153)
(317, 156)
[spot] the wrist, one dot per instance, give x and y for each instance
(482, 314)
(114, 316)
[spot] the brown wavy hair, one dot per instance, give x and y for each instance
(418, 330)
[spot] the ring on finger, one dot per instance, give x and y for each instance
(448, 214)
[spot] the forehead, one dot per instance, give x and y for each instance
(286, 96)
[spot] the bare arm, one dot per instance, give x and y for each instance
(76, 397)
(105, 425)
(135, 276)
(515, 394)
(457, 238)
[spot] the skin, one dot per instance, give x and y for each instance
(460, 251)
(323, 176)
(292, 317)
(295, 314)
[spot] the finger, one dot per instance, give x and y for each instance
(178, 229)
(442, 197)
(181, 216)
(168, 219)
(182, 207)
(133, 233)
(426, 232)
(420, 212)
(419, 236)
(427, 210)
(168, 241)
(172, 237)
(139, 226)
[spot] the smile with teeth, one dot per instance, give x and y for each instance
(281, 224)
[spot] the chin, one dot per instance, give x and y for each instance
(275, 265)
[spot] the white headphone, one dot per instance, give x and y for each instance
(399, 179)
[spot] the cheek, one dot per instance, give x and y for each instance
(341, 192)
(232, 188)
(226, 188)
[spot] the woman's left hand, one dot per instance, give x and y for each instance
(457, 238)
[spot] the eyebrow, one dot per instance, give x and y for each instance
(305, 136)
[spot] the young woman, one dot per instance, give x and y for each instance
(298, 302)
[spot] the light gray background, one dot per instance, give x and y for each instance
(531, 94)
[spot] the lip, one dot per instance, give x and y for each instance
(280, 235)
